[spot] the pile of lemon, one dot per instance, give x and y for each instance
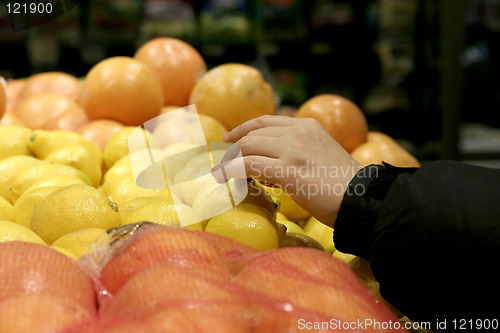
(59, 189)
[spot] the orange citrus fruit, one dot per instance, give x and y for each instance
(374, 136)
(233, 94)
(376, 152)
(345, 122)
(169, 108)
(44, 110)
(12, 91)
(55, 82)
(100, 131)
(9, 119)
(177, 65)
(70, 121)
(122, 89)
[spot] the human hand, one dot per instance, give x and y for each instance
(297, 155)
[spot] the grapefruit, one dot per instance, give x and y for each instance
(341, 118)
(122, 89)
(176, 64)
(233, 94)
(54, 82)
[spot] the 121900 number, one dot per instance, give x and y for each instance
(31, 8)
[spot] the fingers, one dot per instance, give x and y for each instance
(261, 146)
(257, 167)
(254, 124)
(271, 131)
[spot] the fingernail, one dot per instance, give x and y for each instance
(218, 174)
(225, 136)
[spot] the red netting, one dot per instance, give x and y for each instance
(152, 278)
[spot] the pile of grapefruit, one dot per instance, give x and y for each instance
(67, 182)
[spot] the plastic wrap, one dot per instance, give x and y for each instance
(169, 279)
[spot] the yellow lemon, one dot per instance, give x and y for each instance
(288, 206)
(81, 158)
(212, 128)
(182, 126)
(23, 208)
(116, 173)
(196, 176)
(6, 209)
(14, 141)
(247, 223)
(73, 208)
(9, 168)
(35, 173)
(190, 182)
(291, 226)
(196, 226)
(56, 180)
(11, 231)
(345, 257)
(320, 232)
(127, 189)
(65, 252)
(159, 210)
(43, 142)
(202, 159)
(78, 242)
(281, 216)
(118, 145)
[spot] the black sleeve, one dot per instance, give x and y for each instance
(432, 236)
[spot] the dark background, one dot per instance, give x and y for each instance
(424, 71)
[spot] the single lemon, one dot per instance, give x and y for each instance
(214, 199)
(159, 210)
(345, 257)
(204, 158)
(43, 142)
(281, 216)
(118, 145)
(56, 180)
(182, 126)
(190, 181)
(6, 209)
(73, 208)
(11, 231)
(9, 168)
(14, 141)
(116, 173)
(81, 158)
(35, 173)
(212, 128)
(65, 252)
(127, 189)
(142, 159)
(78, 242)
(288, 206)
(23, 208)
(247, 223)
(196, 226)
(291, 227)
(320, 232)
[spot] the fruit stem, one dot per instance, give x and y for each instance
(114, 206)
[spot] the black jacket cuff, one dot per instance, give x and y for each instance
(354, 227)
